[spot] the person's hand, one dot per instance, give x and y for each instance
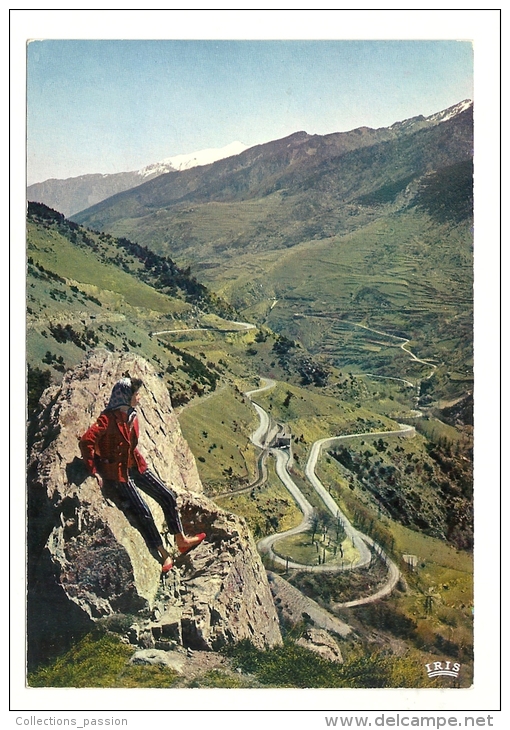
(99, 479)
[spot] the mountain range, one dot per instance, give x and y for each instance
(339, 268)
(70, 195)
(371, 225)
(307, 187)
(309, 233)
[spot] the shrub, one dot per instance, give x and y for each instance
(38, 381)
(291, 665)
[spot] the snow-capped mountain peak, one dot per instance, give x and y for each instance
(193, 159)
(450, 112)
(415, 123)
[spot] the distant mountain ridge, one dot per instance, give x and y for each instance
(74, 194)
(309, 187)
(307, 232)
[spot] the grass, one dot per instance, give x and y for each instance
(218, 428)
(55, 252)
(200, 232)
(427, 303)
(312, 415)
(219, 679)
(100, 662)
(103, 661)
(300, 549)
(70, 285)
(74, 285)
(294, 666)
(435, 430)
(267, 509)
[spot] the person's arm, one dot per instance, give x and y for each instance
(138, 457)
(88, 445)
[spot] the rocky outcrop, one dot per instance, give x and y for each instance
(294, 607)
(88, 562)
(322, 643)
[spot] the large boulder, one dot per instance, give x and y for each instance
(88, 562)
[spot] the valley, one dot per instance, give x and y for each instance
(324, 297)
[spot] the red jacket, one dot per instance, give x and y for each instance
(109, 446)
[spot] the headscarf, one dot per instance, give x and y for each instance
(122, 394)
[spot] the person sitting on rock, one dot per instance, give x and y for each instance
(110, 452)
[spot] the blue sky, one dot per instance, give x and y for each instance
(115, 105)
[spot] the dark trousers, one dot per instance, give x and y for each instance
(154, 487)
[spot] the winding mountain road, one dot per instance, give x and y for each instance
(262, 437)
(362, 543)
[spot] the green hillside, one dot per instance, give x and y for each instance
(86, 290)
(89, 290)
(404, 276)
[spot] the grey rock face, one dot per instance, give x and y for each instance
(88, 562)
(294, 607)
(155, 657)
(322, 643)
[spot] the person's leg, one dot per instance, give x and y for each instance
(155, 488)
(137, 505)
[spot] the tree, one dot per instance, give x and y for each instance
(38, 381)
(314, 524)
(287, 399)
(428, 602)
(325, 521)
